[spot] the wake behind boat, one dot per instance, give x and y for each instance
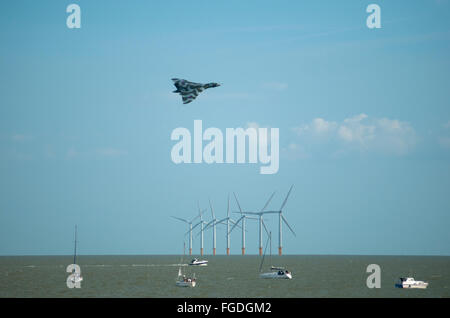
(196, 262)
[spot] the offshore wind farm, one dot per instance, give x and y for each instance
(240, 223)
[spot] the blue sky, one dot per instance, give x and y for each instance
(86, 116)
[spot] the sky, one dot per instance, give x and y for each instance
(86, 117)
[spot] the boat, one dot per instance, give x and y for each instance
(76, 274)
(410, 282)
(276, 272)
(281, 274)
(183, 281)
(196, 262)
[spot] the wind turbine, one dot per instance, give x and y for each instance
(261, 223)
(201, 223)
(212, 223)
(242, 219)
(190, 230)
(228, 220)
(282, 219)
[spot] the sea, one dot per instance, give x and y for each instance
(137, 276)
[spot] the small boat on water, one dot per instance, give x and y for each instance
(410, 282)
(76, 276)
(281, 274)
(276, 272)
(196, 262)
(183, 281)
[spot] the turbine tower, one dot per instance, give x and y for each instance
(212, 223)
(261, 223)
(228, 220)
(189, 231)
(282, 219)
(201, 223)
(242, 219)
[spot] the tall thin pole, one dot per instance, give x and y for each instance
(214, 238)
(75, 250)
(201, 229)
(243, 235)
(190, 238)
(228, 226)
(260, 235)
(280, 235)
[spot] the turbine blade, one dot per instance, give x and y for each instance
(288, 225)
(247, 212)
(183, 220)
(222, 220)
(194, 218)
(268, 201)
(237, 201)
(265, 228)
(285, 200)
(212, 210)
(196, 225)
(208, 225)
(228, 206)
(235, 224)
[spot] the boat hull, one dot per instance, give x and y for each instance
(416, 286)
(185, 284)
(275, 275)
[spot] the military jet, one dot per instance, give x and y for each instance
(190, 90)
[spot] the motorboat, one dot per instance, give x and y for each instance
(410, 282)
(197, 262)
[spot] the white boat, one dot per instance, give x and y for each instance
(281, 274)
(183, 281)
(75, 277)
(196, 262)
(409, 282)
(276, 272)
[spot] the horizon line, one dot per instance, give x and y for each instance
(209, 255)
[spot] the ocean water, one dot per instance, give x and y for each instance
(224, 277)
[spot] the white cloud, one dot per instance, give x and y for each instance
(318, 126)
(361, 133)
(294, 151)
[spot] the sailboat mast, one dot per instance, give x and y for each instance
(75, 249)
